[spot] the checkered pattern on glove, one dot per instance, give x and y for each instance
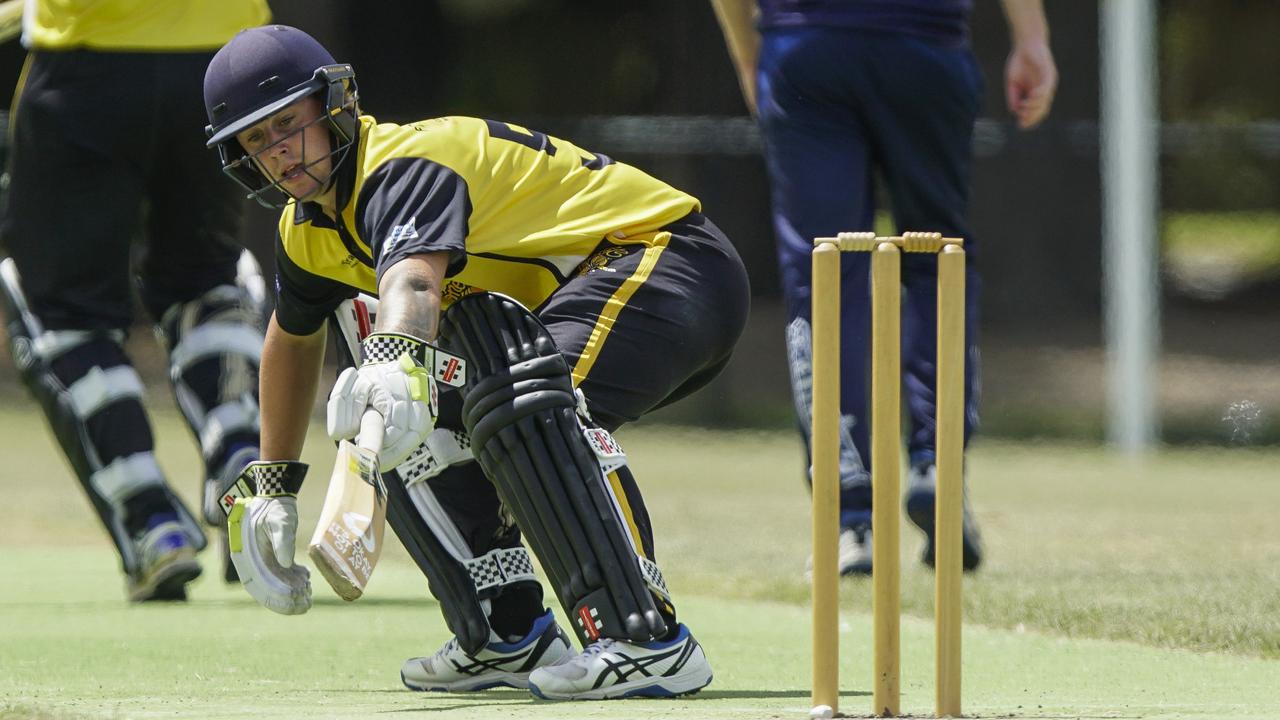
(388, 347)
(275, 478)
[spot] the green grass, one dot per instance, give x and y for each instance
(1112, 589)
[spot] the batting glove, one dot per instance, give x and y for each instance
(393, 380)
(262, 529)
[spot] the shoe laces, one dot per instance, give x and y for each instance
(448, 648)
(597, 647)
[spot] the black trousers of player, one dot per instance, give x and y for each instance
(107, 149)
(641, 327)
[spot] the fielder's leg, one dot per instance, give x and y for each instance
(91, 396)
(819, 157)
(930, 192)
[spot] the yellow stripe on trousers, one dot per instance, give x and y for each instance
(615, 304)
(595, 343)
(620, 496)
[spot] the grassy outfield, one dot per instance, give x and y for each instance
(1112, 589)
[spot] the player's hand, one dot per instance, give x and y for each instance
(1030, 82)
(262, 530)
(393, 381)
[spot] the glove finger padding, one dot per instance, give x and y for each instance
(408, 422)
(393, 381)
(278, 528)
(262, 522)
(347, 401)
(285, 589)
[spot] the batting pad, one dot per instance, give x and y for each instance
(520, 410)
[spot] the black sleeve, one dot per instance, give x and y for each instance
(413, 205)
(304, 300)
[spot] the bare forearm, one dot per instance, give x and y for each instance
(1026, 21)
(287, 384)
(409, 296)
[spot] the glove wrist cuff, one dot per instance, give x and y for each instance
(383, 347)
(388, 347)
(276, 478)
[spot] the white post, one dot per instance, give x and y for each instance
(1130, 127)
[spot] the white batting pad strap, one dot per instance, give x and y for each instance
(217, 338)
(442, 448)
(229, 417)
(608, 452)
(55, 343)
(9, 276)
(126, 476)
(249, 277)
(653, 577)
(500, 567)
(99, 388)
(433, 513)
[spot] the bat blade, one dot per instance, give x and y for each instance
(348, 538)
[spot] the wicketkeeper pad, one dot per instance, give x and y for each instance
(549, 467)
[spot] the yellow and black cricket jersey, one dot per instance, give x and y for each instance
(144, 25)
(518, 212)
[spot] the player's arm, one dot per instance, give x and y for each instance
(288, 380)
(415, 213)
(737, 22)
(409, 295)
(1030, 75)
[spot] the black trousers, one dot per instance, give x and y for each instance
(108, 148)
(640, 328)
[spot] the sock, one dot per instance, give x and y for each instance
(516, 610)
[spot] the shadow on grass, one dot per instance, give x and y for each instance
(759, 694)
(402, 601)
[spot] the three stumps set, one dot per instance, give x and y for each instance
(886, 424)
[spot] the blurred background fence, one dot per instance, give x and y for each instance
(649, 82)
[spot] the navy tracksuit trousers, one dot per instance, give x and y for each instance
(837, 107)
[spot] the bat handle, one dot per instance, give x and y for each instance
(371, 429)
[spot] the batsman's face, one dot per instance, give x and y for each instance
(291, 148)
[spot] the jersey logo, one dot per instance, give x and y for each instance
(407, 231)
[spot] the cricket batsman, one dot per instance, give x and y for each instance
(582, 293)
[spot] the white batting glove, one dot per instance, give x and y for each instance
(262, 529)
(393, 381)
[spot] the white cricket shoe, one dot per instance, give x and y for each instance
(498, 664)
(167, 562)
(610, 668)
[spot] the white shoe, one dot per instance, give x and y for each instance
(167, 563)
(616, 669)
(853, 554)
(498, 664)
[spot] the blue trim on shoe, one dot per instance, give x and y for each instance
(681, 634)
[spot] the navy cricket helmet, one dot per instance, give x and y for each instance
(261, 71)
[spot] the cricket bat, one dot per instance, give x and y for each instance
(348, 537)
(10, 19)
